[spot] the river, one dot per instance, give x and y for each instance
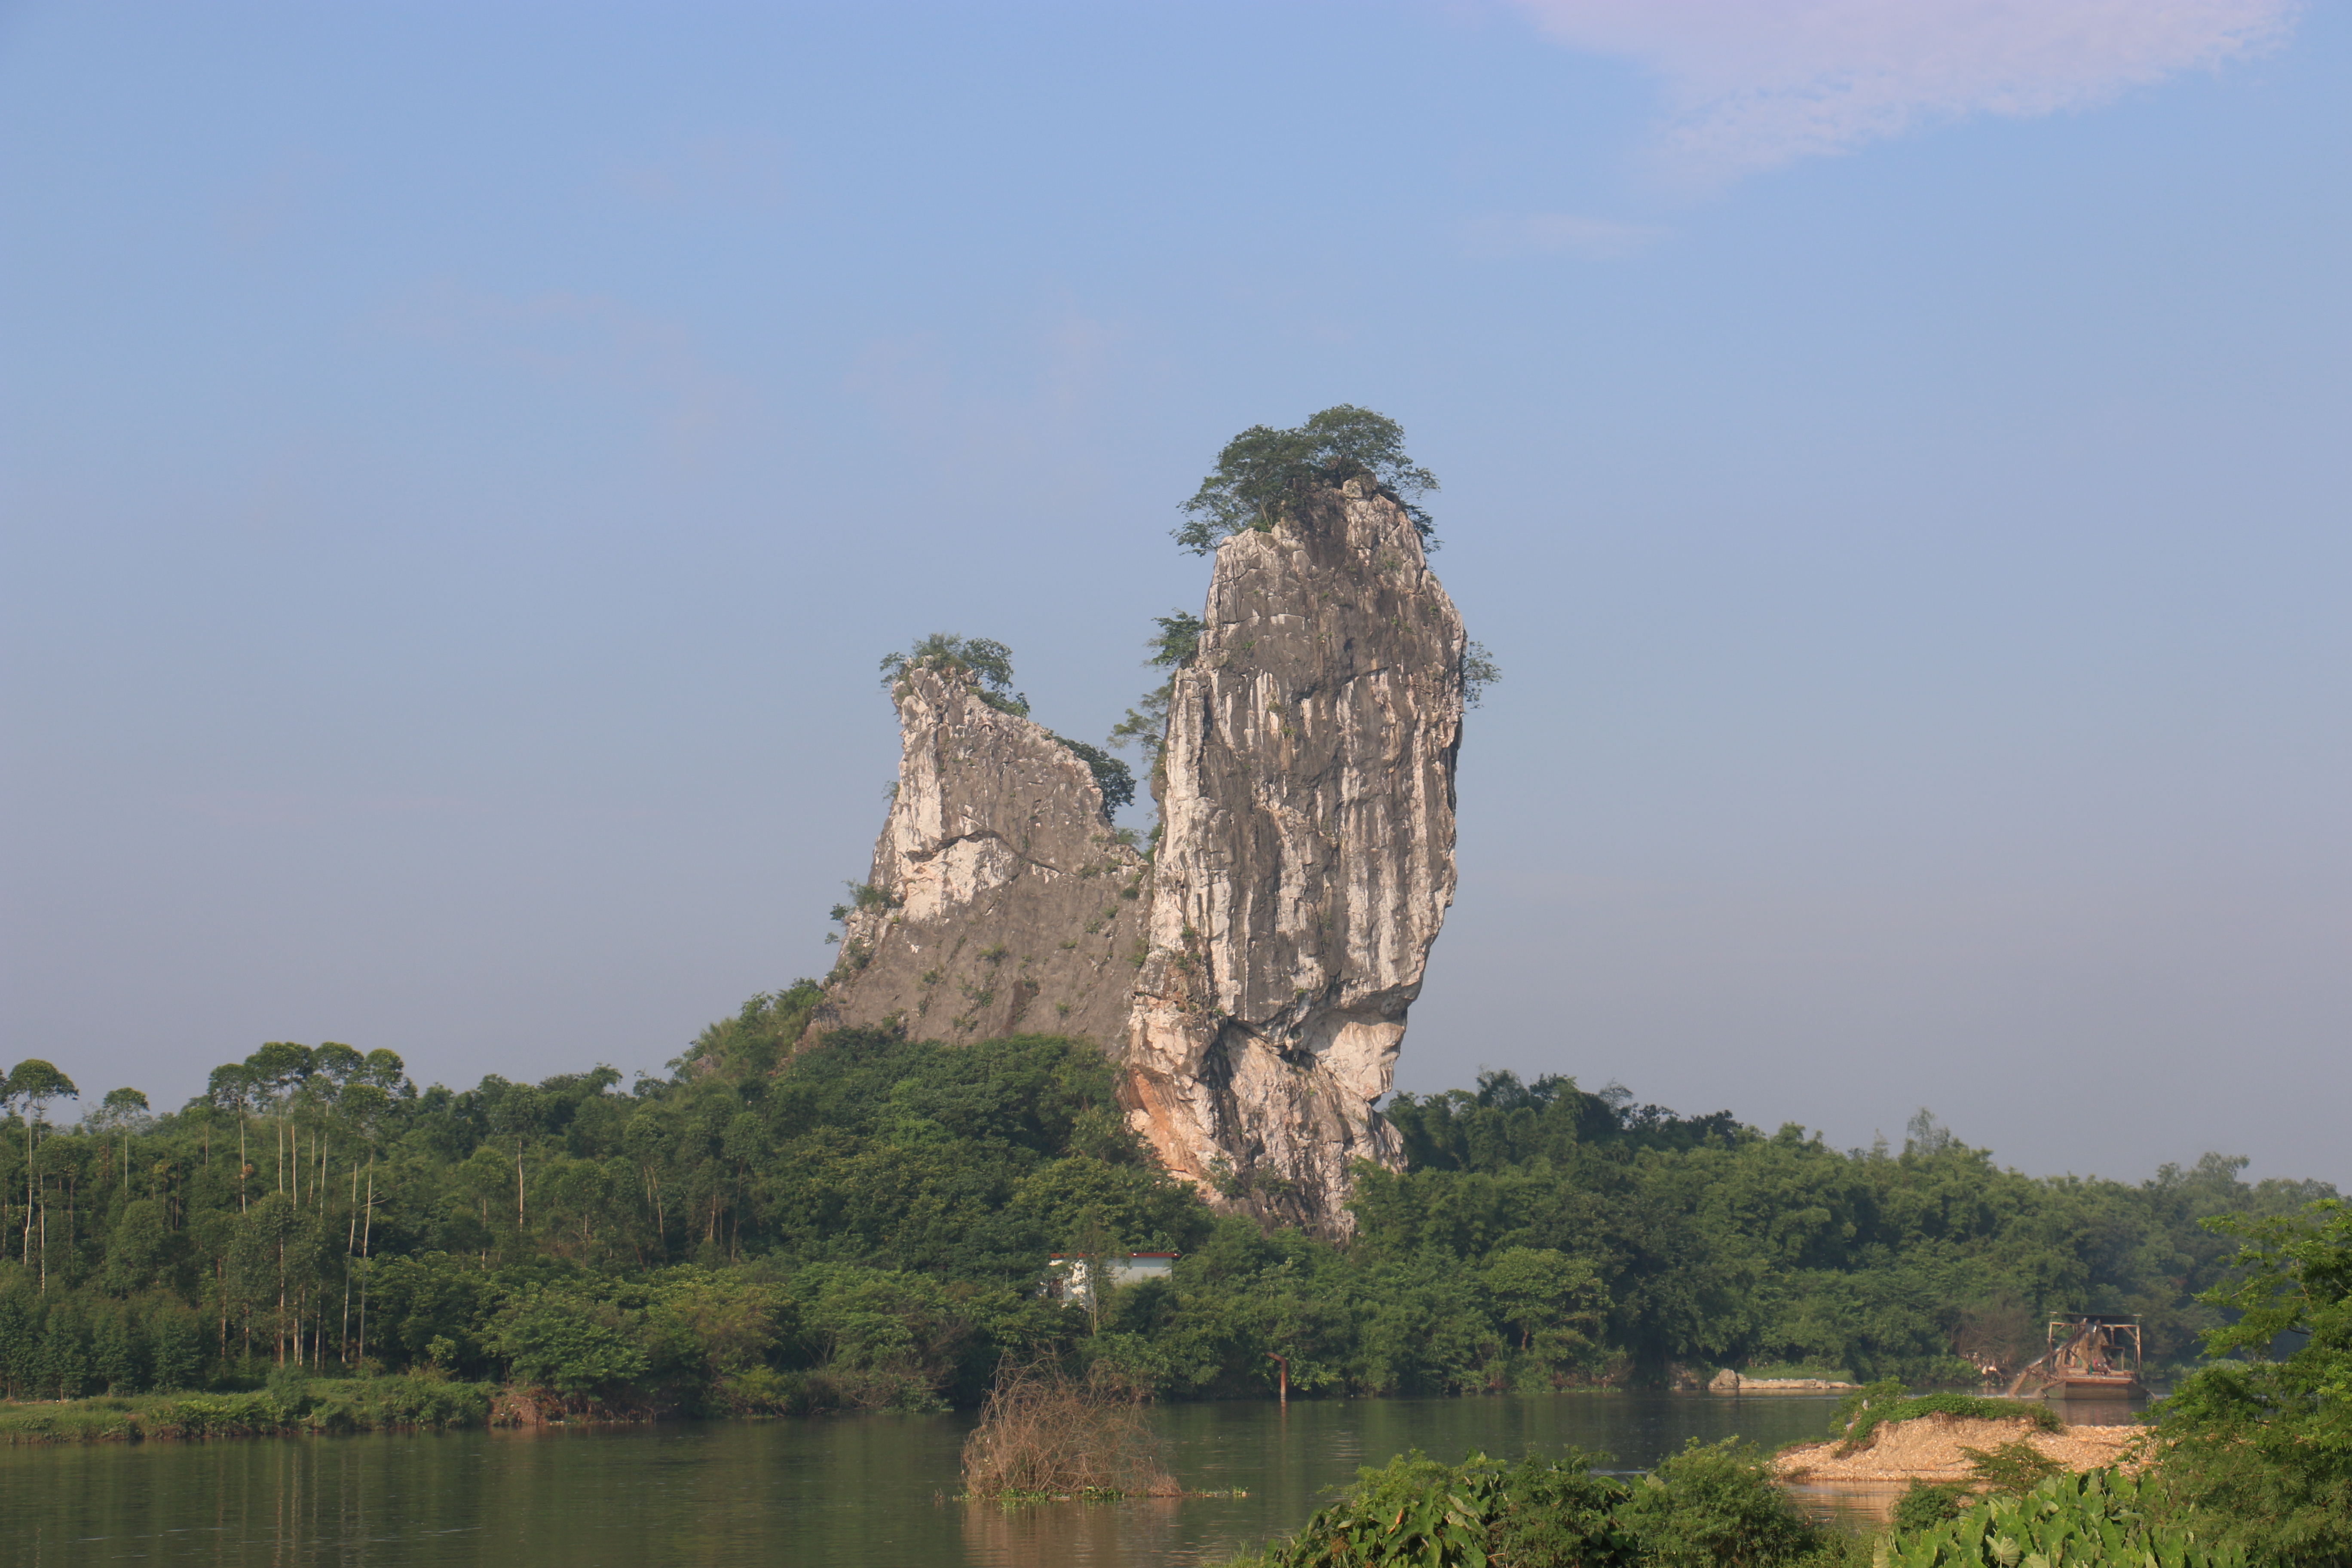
(872, 1492)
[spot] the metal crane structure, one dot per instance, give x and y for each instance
(2090, 1357)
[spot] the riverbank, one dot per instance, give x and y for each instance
(315, 1406)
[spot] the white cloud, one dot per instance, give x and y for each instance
(1755, 83)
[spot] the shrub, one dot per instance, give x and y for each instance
(1411, 1510)
(1858, 1413)
(2012, 1469)
(1716, 1504)
(1927, 1505)
(1044, 1433)
(2261, 1448)
(2098, 1517)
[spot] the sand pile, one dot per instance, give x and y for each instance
(1928, 1448)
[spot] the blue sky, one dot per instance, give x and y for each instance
(461, 464)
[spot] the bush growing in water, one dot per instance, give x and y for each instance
(1044, 1433)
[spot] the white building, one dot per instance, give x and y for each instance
(1069, 1280)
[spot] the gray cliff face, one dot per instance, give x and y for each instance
(1007, 905)
(1307, 859)
(1253, 981)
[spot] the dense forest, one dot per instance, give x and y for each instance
(866, 1223)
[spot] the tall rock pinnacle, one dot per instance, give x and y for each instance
(1305, 861)
(1253, 979)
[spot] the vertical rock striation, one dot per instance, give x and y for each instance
(1305, 861)
(1254, 980)
(1001, 902)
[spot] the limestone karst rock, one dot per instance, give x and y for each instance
(1001, 902)
(1306, 861)
(1254, 980)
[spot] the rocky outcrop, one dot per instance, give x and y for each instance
(1254, 981)
(1305, 861)
(1000, 900)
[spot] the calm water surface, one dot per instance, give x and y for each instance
(871, 1491)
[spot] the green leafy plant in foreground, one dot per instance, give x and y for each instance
(2012, 1469)
(2262, 1447)
(2098, 1517)
(1928, 1504)
(1710, 1506)
(1715, 1505)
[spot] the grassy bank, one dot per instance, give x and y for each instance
(291, 1407)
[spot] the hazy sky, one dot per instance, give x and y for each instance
(462, 462)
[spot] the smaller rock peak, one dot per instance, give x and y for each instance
(1002, 898)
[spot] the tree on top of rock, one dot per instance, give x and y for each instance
(988, 663)
(1262, 472)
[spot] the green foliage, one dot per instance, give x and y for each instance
(2259, 1448)
(2010, 1470)
(1925, 1505)
(987, 664)
(1716, 1504)
(570, 1342)
(1479, 671)
(290, 1405)
(1111, 776)
(760, 1035)
(2101, 1518)
(1264, 473)
(1175, 645)
(864, 1224)
(1414, 1510)
(33, 1082)
(1708, 1506)
(1859, 1414)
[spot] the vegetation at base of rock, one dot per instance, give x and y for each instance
(1046, 1433)
(863, 1225)
(1860, 1414)
(1710, 1506)
(1264, 473)
(2099, 1518)
(2263, 1441)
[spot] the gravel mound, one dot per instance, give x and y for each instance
(1928, 1448)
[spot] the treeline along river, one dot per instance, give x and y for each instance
(864, 1226)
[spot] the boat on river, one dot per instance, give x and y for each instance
(2090, 1357)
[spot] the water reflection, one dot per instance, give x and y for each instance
(870, 1491)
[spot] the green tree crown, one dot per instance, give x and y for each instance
(987, 663)
(1262, 473)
